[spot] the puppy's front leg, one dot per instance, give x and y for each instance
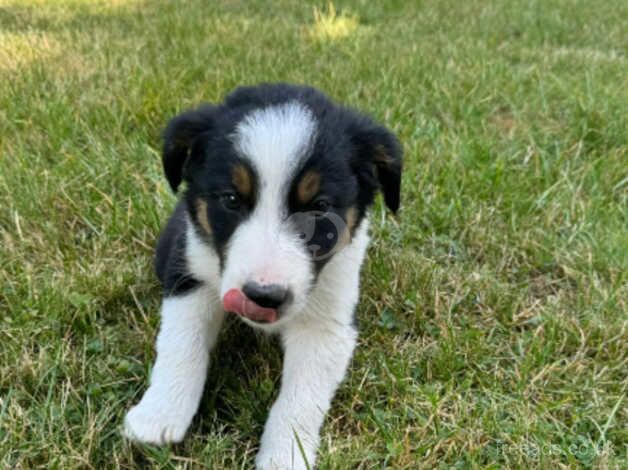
(315, 361)
(189, 327)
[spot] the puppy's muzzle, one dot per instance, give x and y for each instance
(257, 302)
(266, 295)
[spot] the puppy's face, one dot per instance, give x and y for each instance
(276, 188)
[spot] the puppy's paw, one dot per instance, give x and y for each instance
(282, 459)
(152, 425)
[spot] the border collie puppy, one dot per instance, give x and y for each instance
(272, 226)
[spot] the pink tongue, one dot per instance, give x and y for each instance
(235, 301)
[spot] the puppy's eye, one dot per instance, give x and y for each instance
(230, 201)
(321, 205)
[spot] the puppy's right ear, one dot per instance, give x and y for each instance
(179, 137)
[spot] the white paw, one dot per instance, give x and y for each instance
(283, 459)
(152, 425)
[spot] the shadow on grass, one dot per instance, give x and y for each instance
(242, 382)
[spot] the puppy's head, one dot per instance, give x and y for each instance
(278, 180)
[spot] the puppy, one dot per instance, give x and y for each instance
(272, 226)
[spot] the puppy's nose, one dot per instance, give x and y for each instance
(265, 295)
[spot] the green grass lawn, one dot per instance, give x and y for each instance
(493, 311)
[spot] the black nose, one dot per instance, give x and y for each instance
(268, 295)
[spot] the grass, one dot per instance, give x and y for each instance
(493, 311)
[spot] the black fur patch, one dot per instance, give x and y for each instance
(170, 263)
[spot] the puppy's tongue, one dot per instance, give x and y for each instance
(236, 302)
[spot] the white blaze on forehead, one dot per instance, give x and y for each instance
(275, 139)
(264, 248)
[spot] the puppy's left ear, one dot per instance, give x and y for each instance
(179, 138)
(380, 161)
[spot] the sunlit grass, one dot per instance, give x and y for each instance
(21, 49)
(330, 25)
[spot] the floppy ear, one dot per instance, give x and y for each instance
(380, 156)
(179, 137)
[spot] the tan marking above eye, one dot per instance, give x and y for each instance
(308, 186)
(241, 178)
(201, 215)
